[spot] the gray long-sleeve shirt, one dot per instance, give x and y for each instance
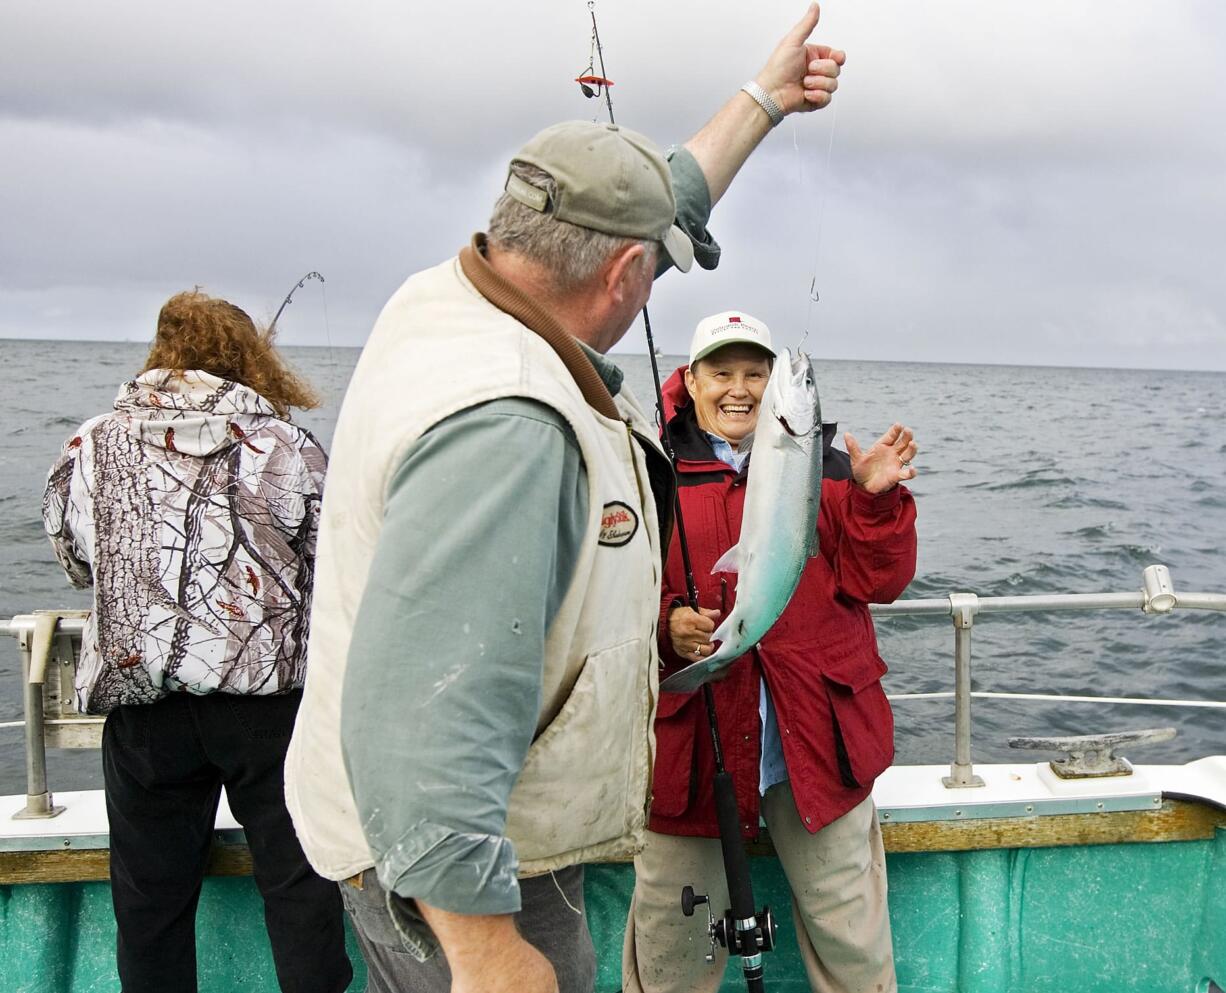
(482, 526)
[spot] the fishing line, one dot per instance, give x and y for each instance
(565, 899)
(814, 295)
(323, 289)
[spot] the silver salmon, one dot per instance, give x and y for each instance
(779, 523)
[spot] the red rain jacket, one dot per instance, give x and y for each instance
(820, 660)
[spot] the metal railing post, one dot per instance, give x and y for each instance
(963, 607)
(39, 802)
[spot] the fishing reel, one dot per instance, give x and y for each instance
(743, 938)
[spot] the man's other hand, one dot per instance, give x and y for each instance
(488, 955)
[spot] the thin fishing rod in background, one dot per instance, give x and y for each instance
(289, 297)
(742, 930)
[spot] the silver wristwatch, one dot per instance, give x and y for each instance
(764, 100)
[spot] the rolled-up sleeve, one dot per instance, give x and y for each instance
(483, 522)
(693, 208)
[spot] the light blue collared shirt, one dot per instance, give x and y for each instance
(726, 453)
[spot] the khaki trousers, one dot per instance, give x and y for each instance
(838, 884)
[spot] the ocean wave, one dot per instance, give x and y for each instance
(1035, 479)
(16, 530)
(1078, 500)
(1136, 555)
(925, 587)
(1040, 577)
(991, 579)
(1093, 532)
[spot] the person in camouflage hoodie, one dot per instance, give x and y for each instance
(192, 509)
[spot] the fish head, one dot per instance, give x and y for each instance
(793, 394)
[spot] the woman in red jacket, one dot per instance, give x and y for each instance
(805, 724)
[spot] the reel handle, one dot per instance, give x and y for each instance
(690, 900)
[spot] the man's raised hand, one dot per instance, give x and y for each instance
(799, 76)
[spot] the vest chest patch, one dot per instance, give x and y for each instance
(618, 524)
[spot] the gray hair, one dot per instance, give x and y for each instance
(573, 254)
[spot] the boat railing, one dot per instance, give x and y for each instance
(1156, 596)
(49, 643)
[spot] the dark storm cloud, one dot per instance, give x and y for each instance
(1022, 183)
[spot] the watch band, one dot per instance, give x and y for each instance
(764, 100)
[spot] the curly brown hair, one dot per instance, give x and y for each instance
(197, 331)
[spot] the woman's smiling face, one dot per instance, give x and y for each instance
(726, 387)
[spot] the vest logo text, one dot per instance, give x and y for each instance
(618, 524)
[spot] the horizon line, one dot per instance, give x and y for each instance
(679, 355)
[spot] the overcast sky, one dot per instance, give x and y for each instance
(1038, 183)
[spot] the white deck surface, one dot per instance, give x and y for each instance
(917, 793)
(82, 824)
(902, 793)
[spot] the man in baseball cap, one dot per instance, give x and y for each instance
(483, 536)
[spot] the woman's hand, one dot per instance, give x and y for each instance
(690, 631)
(887, 463)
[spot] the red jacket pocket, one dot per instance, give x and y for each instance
(856, 671)
(673, 778)
(863, 724)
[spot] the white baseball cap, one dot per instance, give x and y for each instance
(727, 328)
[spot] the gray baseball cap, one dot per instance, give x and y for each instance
(610, 179)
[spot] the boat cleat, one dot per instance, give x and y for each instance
(1092, 756)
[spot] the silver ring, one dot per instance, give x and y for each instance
(698, 651)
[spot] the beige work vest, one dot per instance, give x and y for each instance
(437, 348)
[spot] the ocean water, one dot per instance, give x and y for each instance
(1032, 480)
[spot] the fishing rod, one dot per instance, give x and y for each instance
(591, 84)
(742, 930)
(290, 295)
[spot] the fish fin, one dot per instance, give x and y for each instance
(730, 561)
(814, 544)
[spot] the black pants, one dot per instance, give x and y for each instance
(165, 765)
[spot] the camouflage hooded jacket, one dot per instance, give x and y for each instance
(192, 509)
